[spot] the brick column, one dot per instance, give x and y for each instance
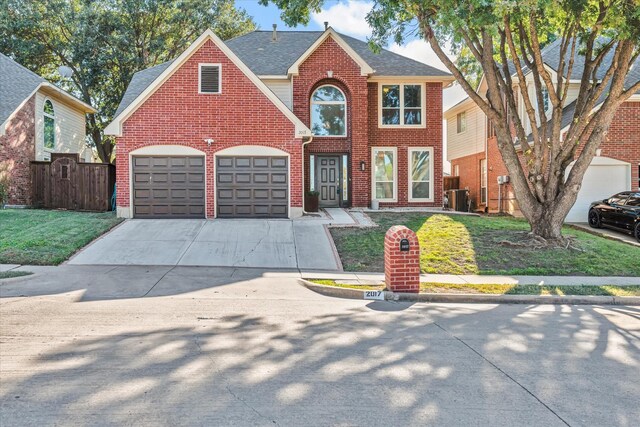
(401, 267)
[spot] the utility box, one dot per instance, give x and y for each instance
(401, 260)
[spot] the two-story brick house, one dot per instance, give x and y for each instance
(475, 158)
(244, 128)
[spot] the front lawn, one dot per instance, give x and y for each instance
(12, 274)
(48, 237)
(461, 244)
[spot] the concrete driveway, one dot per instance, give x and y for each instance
(279, 244)
(204, 346)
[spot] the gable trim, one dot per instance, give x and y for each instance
(365, 69)
(115, 127)
(87, 109)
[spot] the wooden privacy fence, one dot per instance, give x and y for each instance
(67, 183)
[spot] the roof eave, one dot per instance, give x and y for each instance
(88, 109)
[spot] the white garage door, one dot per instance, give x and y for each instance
(604, 178)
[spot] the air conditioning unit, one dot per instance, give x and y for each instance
(503, 179)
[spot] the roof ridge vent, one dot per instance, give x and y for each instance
(274, 36)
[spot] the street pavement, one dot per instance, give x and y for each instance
(208, 346)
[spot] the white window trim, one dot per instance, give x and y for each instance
(312, 103)
(44, 117)
(395, 173)
(464, 130)
(423, 102)
(431, 174)
(200, 78)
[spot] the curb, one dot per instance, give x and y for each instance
(332, 291)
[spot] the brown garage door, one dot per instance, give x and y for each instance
(252, 187)
(168, 187)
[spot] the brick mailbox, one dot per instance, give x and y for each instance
(401, 260)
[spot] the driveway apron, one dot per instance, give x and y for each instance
(279, 244)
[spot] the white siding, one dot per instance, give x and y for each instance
(472, 140)
(282, 89)
(70, 129)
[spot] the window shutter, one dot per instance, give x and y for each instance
(210, 79)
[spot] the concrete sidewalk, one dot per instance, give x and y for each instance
(370, 278)
(373, 278)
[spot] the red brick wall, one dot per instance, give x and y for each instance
(329, 56)
(430, 136)
(176, 114)
(401, 268)
(17, 149)
(623, 140)
(469, 172)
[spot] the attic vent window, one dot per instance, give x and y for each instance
(210, 78)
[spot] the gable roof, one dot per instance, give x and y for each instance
(148, 81)
(264, 57)
(551, 57)
(365, 69)
(18, 84)
(268, 58)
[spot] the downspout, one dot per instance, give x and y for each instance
(303, 174)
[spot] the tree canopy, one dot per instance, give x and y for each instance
(105, 42)
(503, 40)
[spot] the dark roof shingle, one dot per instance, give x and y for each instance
(16, 84)
(268, 58)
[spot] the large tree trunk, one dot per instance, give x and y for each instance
(548, 222)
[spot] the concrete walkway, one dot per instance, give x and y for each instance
(608, 233)
(467, 279)
(374, 278)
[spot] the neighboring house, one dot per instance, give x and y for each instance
(475, 158)
(243, 128)
(36, 119)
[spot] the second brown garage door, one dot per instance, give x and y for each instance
(252, 187)
(168, 187)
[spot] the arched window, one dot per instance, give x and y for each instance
(49, 125)
(328, 112)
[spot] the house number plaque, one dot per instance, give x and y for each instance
(404, 245)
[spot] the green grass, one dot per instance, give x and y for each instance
(11, 274)
(48, 237)
(494, 289)
(460, 244)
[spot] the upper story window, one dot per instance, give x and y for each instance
(49, 133)
(461, 120)
(209, 79)
(402, 105)
(328, 112)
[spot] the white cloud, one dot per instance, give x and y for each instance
(346, 18)
(420, 51)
